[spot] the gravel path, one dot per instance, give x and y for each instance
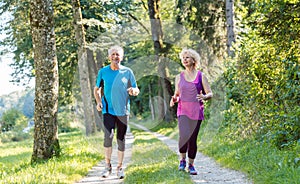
(94, 175)
(208, 170)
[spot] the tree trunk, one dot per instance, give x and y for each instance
(92, 72)
(99, 61)
(230, 26)
(85, 84)
(46, 144)
(99, 64)
(151, 103)
(157, 37)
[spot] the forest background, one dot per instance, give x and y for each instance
(255, 80)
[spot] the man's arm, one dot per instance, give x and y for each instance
(97, 95)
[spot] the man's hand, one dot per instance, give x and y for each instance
(133, 91)
(99, 106)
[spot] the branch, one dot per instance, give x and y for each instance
(134, 18)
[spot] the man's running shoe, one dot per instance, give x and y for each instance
(192, 170)
(182, 165)
(120, 173)
(107, 171)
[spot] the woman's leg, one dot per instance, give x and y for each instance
(192, 143)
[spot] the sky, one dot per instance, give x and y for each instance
(7, 87)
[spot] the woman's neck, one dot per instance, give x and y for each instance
(190, 69)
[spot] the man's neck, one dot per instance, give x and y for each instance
(115, 66)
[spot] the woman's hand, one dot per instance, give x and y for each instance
(201, 96)
(173, 100)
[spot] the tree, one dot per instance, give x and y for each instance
(230, 26)
(46, 144)
(262, 83)
(84, 73)
(9, 118)
(157, 37)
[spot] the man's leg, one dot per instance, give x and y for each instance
(121, 131)
(108, 152)
(120, 158)
(109, 125)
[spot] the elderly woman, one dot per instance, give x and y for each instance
(191, 88)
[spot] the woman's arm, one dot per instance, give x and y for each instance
(175, 97)
(207, 89)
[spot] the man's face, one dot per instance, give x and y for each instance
(115, 57)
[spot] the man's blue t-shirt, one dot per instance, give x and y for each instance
(115, 84)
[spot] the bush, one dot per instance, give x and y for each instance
(13, 119)
(14, 136)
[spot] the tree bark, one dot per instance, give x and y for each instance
(46, 144)
(85, 84)
(151, 103)
(93, 74)
(99, 64)
(230, 26)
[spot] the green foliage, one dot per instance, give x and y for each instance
(14, 136)
(68, 120)
(12, 119)
(263, 82)
(207, 18)
(79, 154)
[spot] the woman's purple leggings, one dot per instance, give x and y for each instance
(188, 133)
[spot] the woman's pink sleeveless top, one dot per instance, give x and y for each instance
(188, 103)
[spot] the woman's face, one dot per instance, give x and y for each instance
(187, 60)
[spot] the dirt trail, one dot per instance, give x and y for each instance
(208, 170)
(94, 175)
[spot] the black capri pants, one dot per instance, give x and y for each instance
(188, 134)
(112, 122)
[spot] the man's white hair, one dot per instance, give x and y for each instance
(116, 48)
(194, 54)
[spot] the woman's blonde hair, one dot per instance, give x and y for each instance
(194, 54)
(117, 48)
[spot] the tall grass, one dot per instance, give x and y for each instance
(79, 154)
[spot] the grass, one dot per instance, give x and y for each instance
(153, 162)
(79, 154)
(263, 163)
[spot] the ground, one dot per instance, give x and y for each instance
(208, 170)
